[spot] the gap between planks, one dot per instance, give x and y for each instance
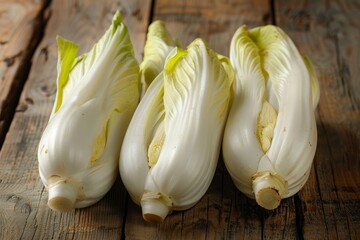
(7, 111)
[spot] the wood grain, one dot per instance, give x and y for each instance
(20, 30)
(214, 21)
(23, 200)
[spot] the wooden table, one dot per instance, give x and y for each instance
(328, 207)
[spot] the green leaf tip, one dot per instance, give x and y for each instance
(67, 51)
(82, 75)
(117, 19)
(158, 29)
(174, 56)
(64, 43)
(177, 53)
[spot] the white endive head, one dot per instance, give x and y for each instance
(159, 44)
(270, 136)
(97, 94)
(171, 147)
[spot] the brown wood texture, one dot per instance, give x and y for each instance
(20, 27)
(328, 207)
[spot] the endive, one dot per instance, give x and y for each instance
(270, 136)
(171, 147)
(97, 94)
(159, 44)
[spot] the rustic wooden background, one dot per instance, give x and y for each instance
(328, 207)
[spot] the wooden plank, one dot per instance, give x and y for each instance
(242, 215)
(23, 200)
(322, 17)
(223, 213)
(329, 35)
(214, 21)
(20, 30)
(281, 222)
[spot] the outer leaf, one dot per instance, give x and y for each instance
(241, 147)
(315, 88)
(196, 97)
(134, 160)
(67, 51)
(295, 131)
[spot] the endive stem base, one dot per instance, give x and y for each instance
(269, 189)
(155, 206)
(62, 196)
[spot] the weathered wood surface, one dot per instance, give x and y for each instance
(327, 207)
(20, 27)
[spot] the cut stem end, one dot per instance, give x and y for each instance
(62, 196)
(269, 189)
(155, 206)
